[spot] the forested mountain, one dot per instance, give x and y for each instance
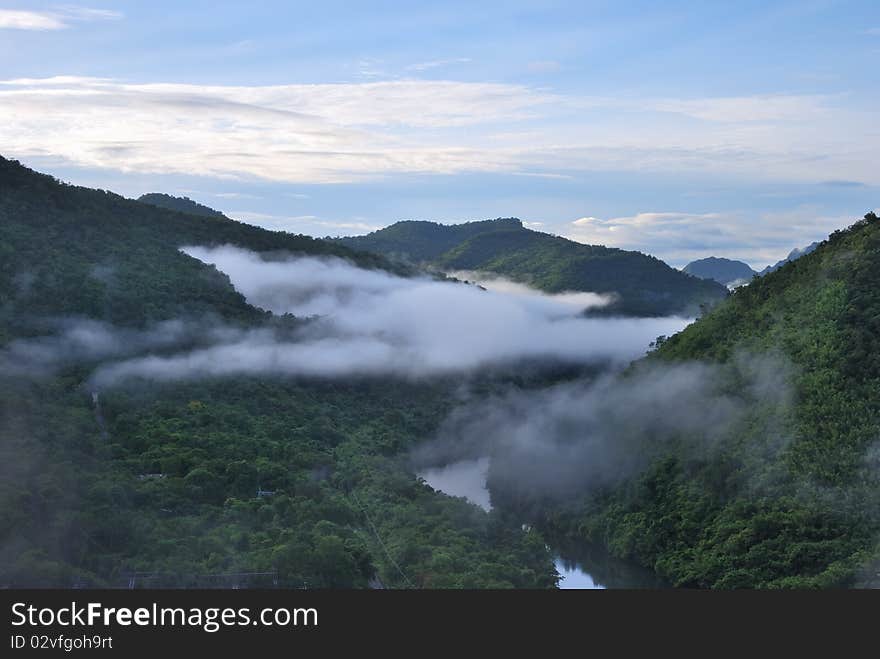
(724, 271)
(787, 493)
(727, 271)
(180, 204)
(770, 479)
(644, 285)
(73, 250)
(238, 481)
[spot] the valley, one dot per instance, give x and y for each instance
(191, 401)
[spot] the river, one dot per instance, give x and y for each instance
(580, 565)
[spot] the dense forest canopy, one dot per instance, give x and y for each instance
(248, 481)
(741, 452)
(788, 496)
(71, 250)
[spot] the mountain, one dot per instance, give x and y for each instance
(792, 255)
(71, 250)
(643, 285)
(180, 204)
(724, 271)
(783, 488)
(250, 481)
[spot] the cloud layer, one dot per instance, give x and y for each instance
(563, 440)
(82, 339)
(297, 133)
(370, 323)
(56, 19)
(340, 132)
(758, 238)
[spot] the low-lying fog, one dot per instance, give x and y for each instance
(372, 322)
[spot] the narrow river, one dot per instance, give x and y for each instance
(581, 566)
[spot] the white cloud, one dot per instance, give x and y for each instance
(330, 133)
(308, 224)
(748, 108)
(372, 322)
(296, 133)
(434, 64)
(73, 12)
(561, 177)
(29, 20)
(490, 281)
(757, 238)
(57, 19)
(236, 195)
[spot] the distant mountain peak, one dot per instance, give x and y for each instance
(724, 271)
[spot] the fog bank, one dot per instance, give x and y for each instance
(563, 440)
(370, 322)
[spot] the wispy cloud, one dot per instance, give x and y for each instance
(349, 132)
(58, 18)
(366, 325)
(312, 224)
(370, 68)
(437, 63)
(29, 20)
(298, 133)
(236, 195)
(759, 239)
(780, 107)
(550, 175)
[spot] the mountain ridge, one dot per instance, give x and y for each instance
(295, 481)
(181, 204)
(794, 254)
(108, 246)
(644, 284)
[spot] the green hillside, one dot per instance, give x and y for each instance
(225, 482)
(71, 250)
(642, 284)
(180, 204)
(789, 496)
(423, 242)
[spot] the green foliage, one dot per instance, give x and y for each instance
(302, 479)
(173, 491)
(789, 498)
(424, 242)
(74, 251)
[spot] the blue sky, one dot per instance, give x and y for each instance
(682, 129)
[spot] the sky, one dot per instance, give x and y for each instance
(681, 129)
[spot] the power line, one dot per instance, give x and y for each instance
(379, 539)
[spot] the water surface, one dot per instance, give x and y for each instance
(580, 565)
